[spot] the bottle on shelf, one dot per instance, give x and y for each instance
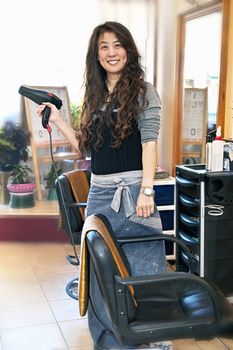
(217, 152)
(209, 140)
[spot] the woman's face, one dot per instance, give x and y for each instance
(112, 56)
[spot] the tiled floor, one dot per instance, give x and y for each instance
(35, 311)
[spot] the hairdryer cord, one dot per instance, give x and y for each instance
(62, 197)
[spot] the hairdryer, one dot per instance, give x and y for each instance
(40, 96)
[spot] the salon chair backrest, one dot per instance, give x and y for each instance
(70, 211)
(106, 269)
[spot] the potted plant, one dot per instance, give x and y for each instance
(14, 141)
(21, 186)
(49, 181)
(74, 111)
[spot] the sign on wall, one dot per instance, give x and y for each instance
(195, 115)
(38, 133)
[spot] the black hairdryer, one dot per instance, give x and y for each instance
(40, 96)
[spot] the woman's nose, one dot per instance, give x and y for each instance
(111, 51)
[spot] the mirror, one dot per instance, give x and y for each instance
(200, 80)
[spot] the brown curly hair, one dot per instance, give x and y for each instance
(124, 97)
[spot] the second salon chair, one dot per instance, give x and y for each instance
(72, 190)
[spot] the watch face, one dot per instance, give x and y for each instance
(148, 191)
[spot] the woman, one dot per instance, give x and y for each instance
(119, 126)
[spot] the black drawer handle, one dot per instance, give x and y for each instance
(188, 239)
(189, 201)
(185, 182)
(190, 221)
(185, 258)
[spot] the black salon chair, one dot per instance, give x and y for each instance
(72, 205)
(171, 305)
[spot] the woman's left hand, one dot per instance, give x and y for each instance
(145, 205)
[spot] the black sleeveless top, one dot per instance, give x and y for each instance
(109, 160)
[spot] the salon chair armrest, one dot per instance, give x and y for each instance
(162, 237)
(152, 281)
(75, 205)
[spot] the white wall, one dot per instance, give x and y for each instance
(166, 49)
(45, 42)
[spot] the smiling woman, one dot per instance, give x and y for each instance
(119, 128)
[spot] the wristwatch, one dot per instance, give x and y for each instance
(147, 191)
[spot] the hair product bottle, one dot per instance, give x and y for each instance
(217, 152)
(208, 152)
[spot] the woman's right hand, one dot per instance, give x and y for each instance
(55, 115)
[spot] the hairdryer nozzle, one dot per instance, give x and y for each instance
(40, 96)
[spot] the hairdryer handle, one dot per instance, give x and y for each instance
(45, 117)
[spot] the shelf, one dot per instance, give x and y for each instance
(165, 207)
(166, 181)
(169, 232)
(43, 208)
(164, 196)
(58, 157)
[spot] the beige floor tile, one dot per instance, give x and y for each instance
(83, 347)
(26, 315)
(20, 293)
(45, 254)
(43, 337)
(13, 261)
(228, 342)
(76, 333)
(210, 344)
(16, 270)
(188, 344)
(19, 284)
(65, 310)
(17, 274)
(53, 280)
(44, 271)
(17, 279)
(14, 249)
(69, 249)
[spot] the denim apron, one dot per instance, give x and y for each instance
(115, 196)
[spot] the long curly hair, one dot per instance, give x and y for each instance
(124, 98)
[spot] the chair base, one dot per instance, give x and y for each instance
(72, 288)
(153, 346)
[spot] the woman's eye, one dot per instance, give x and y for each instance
(103, 47)
(118, 45)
